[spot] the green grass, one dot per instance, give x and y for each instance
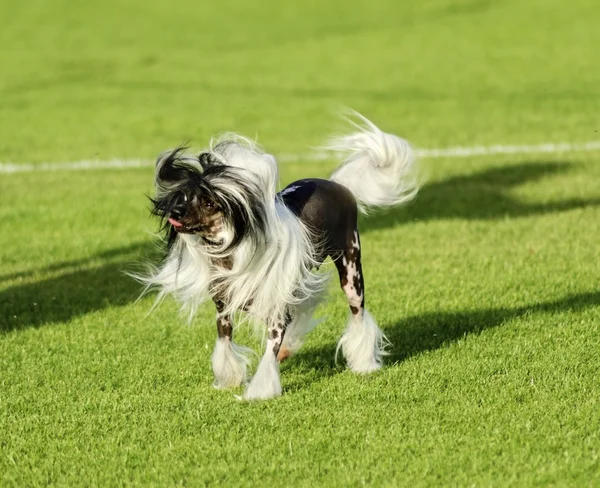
(487, 284)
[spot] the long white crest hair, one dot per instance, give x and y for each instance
(272, 261)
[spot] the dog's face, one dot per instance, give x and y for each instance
(193, 211)
(201, 195)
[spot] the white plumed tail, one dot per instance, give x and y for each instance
(380, 168)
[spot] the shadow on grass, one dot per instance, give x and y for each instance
(422, 333)
(480, 196)
(80, 287)
(117, 253)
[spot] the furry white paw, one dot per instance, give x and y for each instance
(230, 363)
(266, 383)
(363, 344)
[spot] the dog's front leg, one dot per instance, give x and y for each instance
(266, 383)
(229, 360)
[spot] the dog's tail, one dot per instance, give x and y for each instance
(379, 168)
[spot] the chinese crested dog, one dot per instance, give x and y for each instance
(233, 239)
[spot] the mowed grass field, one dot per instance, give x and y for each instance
(487, 284)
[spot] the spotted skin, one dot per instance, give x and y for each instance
(276, 332)
(276, 329)
(330, 210)
(349, 268)
(224, 322)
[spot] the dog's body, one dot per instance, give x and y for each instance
(231, 238)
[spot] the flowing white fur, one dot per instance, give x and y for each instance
(230, 363)
(266, 383)
(363, 344)
(273, 275)
(380, 168)
(267, 276)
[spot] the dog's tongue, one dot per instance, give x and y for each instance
(174, 223)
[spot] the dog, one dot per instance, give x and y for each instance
(232, 238)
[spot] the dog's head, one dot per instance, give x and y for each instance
(202, 195)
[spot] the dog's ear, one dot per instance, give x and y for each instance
(167, 168)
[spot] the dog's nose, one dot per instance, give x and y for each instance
(178, 212)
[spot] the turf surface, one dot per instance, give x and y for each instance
(487, 284)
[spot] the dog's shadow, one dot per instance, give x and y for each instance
(419, 334)
(74, 288)
(480, 196)
(71, 288)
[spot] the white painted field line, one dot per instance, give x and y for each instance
(545, 148)
(449, 152)
(74, 166)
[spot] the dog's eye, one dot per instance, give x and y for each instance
(208, 204)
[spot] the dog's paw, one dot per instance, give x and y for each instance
(262, 393)
(230, 362)
(284, 353)
(266, 383)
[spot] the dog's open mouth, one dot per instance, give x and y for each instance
(184, 228)
(174, 223)
(211, 228)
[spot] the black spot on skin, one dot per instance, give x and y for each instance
(352, 253)
(349, 262)
(357, 285)
(273, 334)
(224, 327)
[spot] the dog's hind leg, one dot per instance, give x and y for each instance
(363, 343)
(229, 360)
(266, 382)
(302, 323)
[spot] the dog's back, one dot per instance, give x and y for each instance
(326, 208)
